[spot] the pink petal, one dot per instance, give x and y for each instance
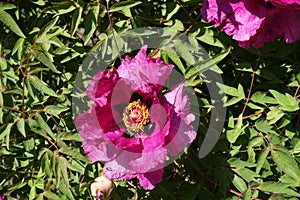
(150, 179)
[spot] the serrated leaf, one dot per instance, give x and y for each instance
(123, 5)
(10, 23)
(41, 86)
(43, 58)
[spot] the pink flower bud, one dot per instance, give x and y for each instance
(102, 187)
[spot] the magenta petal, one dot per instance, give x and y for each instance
(144, 70)
(238, 18)
(279, 23)
(150, 179)
(292, 4)
(95, 144)
(101, 85)
(149, 161)
(180, 100)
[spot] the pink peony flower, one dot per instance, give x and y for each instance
(135, 123)
(254, 22)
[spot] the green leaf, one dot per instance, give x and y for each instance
(70, 151)
(45, 165)
(18, 47)
(61, 8)
(262, 98)
(239, 183)
(6, 131)
(203, 66)
(91, 22)
(43, 58)
(274, 115)
(55, 109)
(6, 6)
(51, 195)
(63, 188)
(233, 134)
(47, 29)
(247, 194)
(76, 20)
(232, 91)
(184, 49)
(261, 159)
(62, 163)
(174, 57)
(275, 187)
(43, 125)
(21, 126)
(3, 64)
(287, 102)
(285, 162)
(237, 163)
(41, 86)
(123, 5)
(246, 174)
(10, 23)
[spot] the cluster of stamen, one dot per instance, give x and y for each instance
(136, 116)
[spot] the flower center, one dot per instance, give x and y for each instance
(136, 116)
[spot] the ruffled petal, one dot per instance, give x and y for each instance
(238, 18)
(278, 23)
(143, 70)
(150, 179)
(292, 4)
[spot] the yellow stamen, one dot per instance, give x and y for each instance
(136, 116)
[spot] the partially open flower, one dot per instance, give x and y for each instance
(102, 187)
(136, 123)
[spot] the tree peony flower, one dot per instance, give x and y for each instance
(135, 122)
(254, 22)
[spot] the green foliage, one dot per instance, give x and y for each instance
(41, 157)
